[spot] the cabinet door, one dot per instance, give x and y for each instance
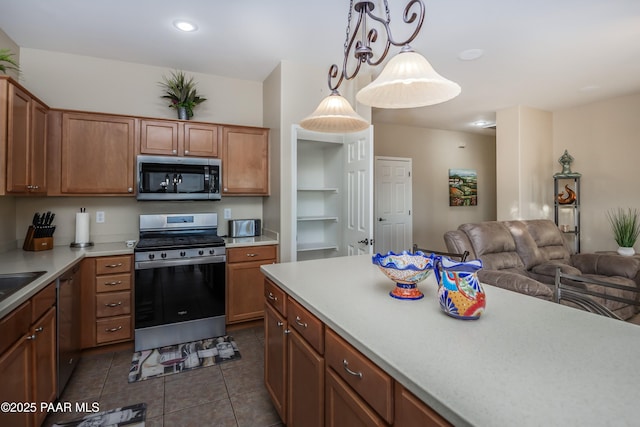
(38, 155)
(245, 161)
(344, 408)
(159, 137)
(411, 412)
(200, 140)
(98, 154)
(44, 361)
(275, 358)
(18, 132)
(305, 385)
(15, 371)
(245, 289)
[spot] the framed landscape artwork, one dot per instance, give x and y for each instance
(463, 187)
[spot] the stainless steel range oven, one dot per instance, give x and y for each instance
(179, 280)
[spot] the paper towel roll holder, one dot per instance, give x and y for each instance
(81, 245)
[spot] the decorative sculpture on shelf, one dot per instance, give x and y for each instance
(565, 160)
(570, 198)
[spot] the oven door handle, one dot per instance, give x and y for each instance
(145, 265)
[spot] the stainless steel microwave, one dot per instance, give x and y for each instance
(178, 178)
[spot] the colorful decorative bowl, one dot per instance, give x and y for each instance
(406, 269)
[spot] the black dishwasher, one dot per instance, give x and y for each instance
(68, 324)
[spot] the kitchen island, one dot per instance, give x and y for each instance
(525, 362)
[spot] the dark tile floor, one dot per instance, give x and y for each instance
(227, 395)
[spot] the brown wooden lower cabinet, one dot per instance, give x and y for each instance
(411, 412)
(316, 378)
(28, 367)
(345, 408)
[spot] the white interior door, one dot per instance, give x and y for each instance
(394, 223)
(358, 229)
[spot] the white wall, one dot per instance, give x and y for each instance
(524, 169)
(434, 152)
(604, 139)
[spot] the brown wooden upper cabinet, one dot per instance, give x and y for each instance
(178, 138)
(245, 161)
(94, 154)
(25, 120)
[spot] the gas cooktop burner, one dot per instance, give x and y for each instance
(176, 242)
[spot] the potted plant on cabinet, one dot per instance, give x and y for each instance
(181, 91)
(625, 225)
(7, 62)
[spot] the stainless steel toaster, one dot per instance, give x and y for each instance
(244, 227)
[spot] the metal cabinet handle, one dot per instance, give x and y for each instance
(31, 337)
(252, 255)
(130, 190)
(298, 321)
(272, 297)
(186, 151)
(345, 365)
(114, 265)
(39, 329)
(113, 329)
(113, 304)
(287, 332)
(117, 282)
(279, 323)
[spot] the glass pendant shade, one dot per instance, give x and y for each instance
(334, 115)
(408, 81)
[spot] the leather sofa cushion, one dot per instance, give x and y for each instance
(525, 244)
(517, 282)
(606, 264)
(549, 269)
(549, 239)
(458, 242)
(493, 244)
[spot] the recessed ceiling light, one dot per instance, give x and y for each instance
(185, 26)
(470, 54)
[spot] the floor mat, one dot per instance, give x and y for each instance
(184, 357)
(130, 416)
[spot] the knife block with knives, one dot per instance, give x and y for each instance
(40, 234)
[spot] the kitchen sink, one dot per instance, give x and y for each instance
(12, 282)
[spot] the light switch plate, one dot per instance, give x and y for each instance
(227, 213)
(100, 217)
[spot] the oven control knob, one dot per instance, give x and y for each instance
(163, 255)
(151, 256)
(211, 251)
(200, 252)
(183, 253)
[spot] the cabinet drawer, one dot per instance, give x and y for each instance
(275, 296)
(111, 265)
(42, 301)
(14, 325)
(113, 304)
(113, 329)
(113, 282)
(251, 253)
(369, 381)
(307, 325)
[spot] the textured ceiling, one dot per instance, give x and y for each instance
(546, 54)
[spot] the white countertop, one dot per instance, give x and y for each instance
(525, 362)
(54, 261)
(237, 242)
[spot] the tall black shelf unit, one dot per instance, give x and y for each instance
(567, 211)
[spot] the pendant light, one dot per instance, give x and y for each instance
(334, 115)
(407, 81)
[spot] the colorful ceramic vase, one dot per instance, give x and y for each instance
(406, 269)
(459, 290)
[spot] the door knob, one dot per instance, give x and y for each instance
(382, 219)
(365, 241)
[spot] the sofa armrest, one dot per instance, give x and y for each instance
(606, 264)
(458, 242)
(515, 282)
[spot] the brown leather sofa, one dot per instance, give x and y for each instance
(523, 256)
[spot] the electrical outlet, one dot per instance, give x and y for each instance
(227, 213)
(100, 217)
